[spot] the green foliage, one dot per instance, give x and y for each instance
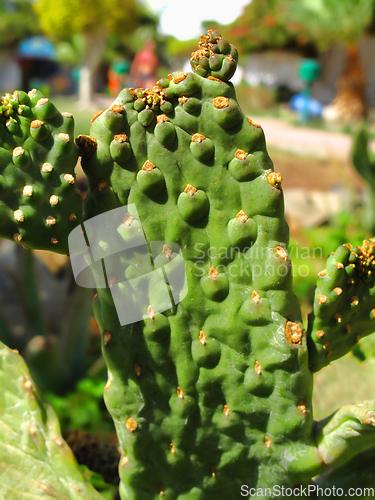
(17, 21)
(65, 18)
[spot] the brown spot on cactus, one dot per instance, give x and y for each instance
(112, 280)
(32, 429)
(198, 138)
(107, 337)
(354, 300)
(322, 299)
(275, 179)
(258, 368)
(162, 119)
(293, 332)
(148, 166)
(320, 333)
(213, 273)
(17, 237)
(32, 92)
(325, 345)
(213, 471)
(87, 146)
(137, 369)
(27, 383)
(59, 441)
(267, 441)
(255, 297)
(190, 190)
(53, 199)
(281, 252)
(120, 138)
(202, 337)
(241, 216)
(28, 191)
(19, 216)
(64, 137)
(42, 101)
(339, 265)
(240, 154)
(124, 461)
(65, 114)
(338, 290)
(351, 281)
(51, 221)
(18, 151)
(131, 424)
(97, 114)
(118, 108)
(54, 241)
(322, 273)
(348, 328)
(150, 312)
(47, 167)
(72, 217)
(107, 385)
(182, 99)
(180, 393)
(226, 410)
(167, 252)
(69, 178)
(254, 124)
(172, 448)
(337, 317)
(301, 405)
(128, 219)
(179, 78)
(36, 124)
(221, 102)
(102, 184)
(43, 486)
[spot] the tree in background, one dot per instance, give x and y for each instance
(17, 21)
(95, 21)
(323, 23)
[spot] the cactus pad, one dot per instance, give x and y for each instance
(31, 441)
(38, 202)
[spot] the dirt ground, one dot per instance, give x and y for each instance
(314, 173)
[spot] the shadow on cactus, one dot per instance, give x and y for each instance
(210, 396)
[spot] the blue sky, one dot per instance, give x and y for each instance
(183, 18)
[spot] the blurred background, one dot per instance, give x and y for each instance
(306, 73)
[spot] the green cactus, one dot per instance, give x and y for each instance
(211, 389)
(364, 162)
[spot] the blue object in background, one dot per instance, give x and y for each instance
(36, 47)
(299, 103)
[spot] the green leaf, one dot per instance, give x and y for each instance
(35, 461)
